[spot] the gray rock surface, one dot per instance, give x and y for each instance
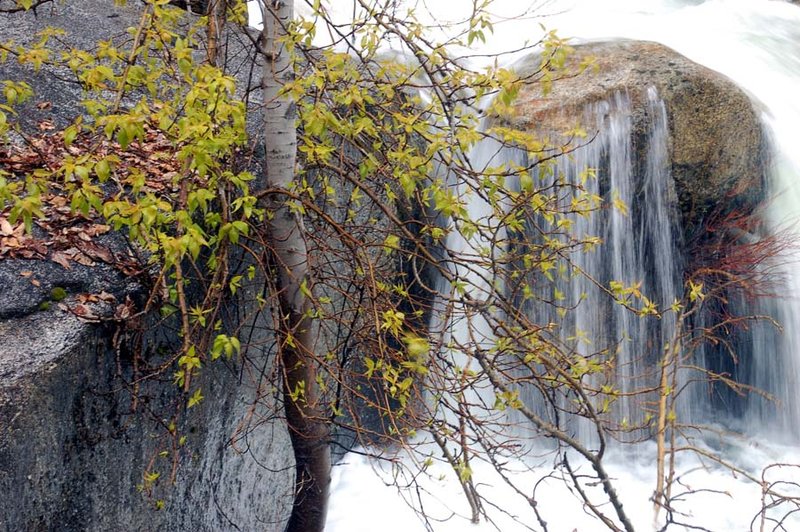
(717, 146)
(72, 451)
(27, 285)
(86, 22)
(72, 448)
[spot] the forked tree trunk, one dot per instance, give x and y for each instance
(308, 428)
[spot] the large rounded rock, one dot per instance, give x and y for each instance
(74, 444)
(717, 147)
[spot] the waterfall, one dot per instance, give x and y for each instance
(774, 362)
(757, 44)
(470, 262)
(640, 246)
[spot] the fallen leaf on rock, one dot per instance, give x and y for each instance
(98, 229)
(6, 229)
(80, 258)
(26, 273)
(60, 258)
(37, 247)
(58, 201)
(84, 312)
(123, 312)
(97, 252)
(9, 242)
(105, 296)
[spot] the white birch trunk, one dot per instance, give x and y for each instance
(307, 425)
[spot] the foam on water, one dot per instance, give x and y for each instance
(365, 498)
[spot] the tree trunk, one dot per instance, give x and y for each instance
(307, 425)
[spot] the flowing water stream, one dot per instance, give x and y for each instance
(757, 44)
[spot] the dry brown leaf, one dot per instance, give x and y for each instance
(84, 312)
(105, 296)
(6, 229)
(37, 247)
(98, 229)
(97, 252)
(80, 258)
(60, 258)
(122, 312)
(58, 201)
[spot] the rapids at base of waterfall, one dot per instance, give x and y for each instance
(365, 499)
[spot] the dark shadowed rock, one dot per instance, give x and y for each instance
(717, 147)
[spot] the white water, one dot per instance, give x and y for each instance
(757, 44)
(365, 498)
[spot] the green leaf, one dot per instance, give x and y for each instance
(391, 243)
(69, 135)
(195, 399)
(235, 283)
(103, 170)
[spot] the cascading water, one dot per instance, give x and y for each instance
(468, 259)
(757, 44)
(639, 249)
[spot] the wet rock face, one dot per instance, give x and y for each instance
(74, 445)
(717, 146)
